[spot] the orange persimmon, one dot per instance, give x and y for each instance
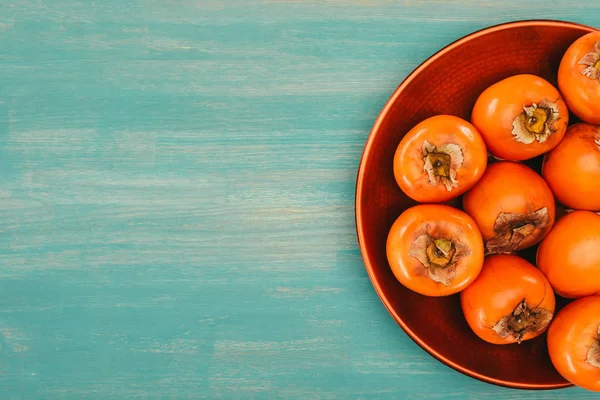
(579, 75)
(434, 249)
(512, 206)
(570, 255)
(520, 117)
(574, 342)
(511, 301)
(572, 169)
(439, 159)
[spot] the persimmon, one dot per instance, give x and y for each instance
(439, 159)
(572, 169)
(434, 249)
(574, 342)
(579, 77)
(520, 117)
(512, 206)
(570, 255)
(510, 301)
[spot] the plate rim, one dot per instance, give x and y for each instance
(359, 190)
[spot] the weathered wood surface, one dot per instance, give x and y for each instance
(176, 196)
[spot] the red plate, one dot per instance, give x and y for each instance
(449, 83)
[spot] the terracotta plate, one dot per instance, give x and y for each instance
(449, 82)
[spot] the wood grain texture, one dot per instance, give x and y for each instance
(177, 189)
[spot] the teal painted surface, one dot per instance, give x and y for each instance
(176, 196)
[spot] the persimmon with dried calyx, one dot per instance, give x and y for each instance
(512, 206)
(520, 117)
(570, 255)
(511, 301)
(572, 169)
(439, 159)
(434, 249)
(579, 77)
(574, 342)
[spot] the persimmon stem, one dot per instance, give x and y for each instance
(535, 123)
(513, 228)
(439, 256)
(521, 320)
(593, 356)
(440, 252)
(440, 163)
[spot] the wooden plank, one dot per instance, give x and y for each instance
(177, 190)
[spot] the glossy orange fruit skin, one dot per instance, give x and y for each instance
(509, 187)
(581, 93)
(570, 255)
(570, 337)
(438, 130)
(437, 220)
(503, 283)
(496, 108)
(572, 169)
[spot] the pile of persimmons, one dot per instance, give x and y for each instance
(482, 204)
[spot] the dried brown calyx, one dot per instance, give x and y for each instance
(513, 228)
(592, 63)
(442, 163)
(439, 256)
(593, 356)
(536, 122)
(522, 320)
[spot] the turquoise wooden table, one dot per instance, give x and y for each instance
(176, 196)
